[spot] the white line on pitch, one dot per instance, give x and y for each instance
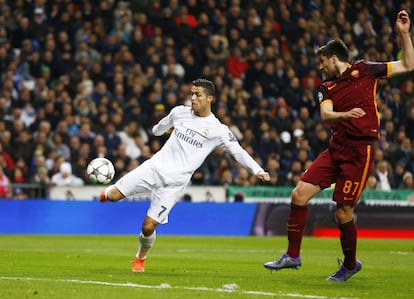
(167, 286)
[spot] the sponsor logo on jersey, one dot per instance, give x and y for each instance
(189, 136)
(331, 87)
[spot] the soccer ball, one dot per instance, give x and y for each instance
(100, 171)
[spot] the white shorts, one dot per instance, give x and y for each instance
(143, 179)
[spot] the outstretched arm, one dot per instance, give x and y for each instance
(406, 62)
(241, 156)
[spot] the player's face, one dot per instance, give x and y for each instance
(328, 66)
(200, 102)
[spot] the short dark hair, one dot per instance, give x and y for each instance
(208, 86)
(335, 47)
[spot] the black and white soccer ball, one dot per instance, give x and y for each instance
(100, 171)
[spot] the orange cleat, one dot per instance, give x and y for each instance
(102, 197)
(138, 265)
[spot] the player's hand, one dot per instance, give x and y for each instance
(263, 176)
(354, 113)
(403, 22)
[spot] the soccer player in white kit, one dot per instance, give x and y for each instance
(196, 133)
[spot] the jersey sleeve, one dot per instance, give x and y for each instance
(379, 69)
(164, 124)
(322, 94)
(231, 145)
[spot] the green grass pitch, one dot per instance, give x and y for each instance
(197, 267)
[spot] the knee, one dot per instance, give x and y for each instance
(148, 228)
(339, 215)
(303, 192)
(299, 197)
(343, 216)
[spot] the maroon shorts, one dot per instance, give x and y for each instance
(348, 165)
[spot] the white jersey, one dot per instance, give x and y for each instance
(193, 138)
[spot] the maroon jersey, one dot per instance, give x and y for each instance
(348, 160)
(355, 88)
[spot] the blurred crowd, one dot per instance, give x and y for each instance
(88, 78)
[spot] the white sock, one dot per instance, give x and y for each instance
(145, 244)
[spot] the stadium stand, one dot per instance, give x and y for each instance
(74, 76)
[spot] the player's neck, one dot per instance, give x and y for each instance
(204, 113)
(343, 67)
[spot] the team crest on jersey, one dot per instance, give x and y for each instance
(205, 132)
(355, 73)
(232, 138)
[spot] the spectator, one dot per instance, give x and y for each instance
(126, 43)
(293, 94)
(399, 171)
(138, 44)
(236, 64)
(39, 25)
(42, 178)
(384, 176)
(403, 153)
(65, 177)
(60, 147)
(268, 79)
(362, 28)
(172, 68)
(319, 140)
(273, 167)
(407, 93)
(269, 144)
(86, 134)
(185, 24)
(242, 178)
(23, 146)
(5, 185)
(409, 125)
(283, 120)
(217, 51)
(226, 177)
(18, 176)
(293, 175)
(111, 139)
(407, 182)
(7, 162)
(371, 183)
(22, 32)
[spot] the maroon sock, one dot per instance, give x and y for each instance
(295, 227)
(349, 242)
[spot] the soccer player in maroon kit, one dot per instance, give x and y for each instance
(348, 105)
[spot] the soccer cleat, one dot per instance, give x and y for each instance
(284, 262)
(102, 197)
(343, 274)
(138, 265)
